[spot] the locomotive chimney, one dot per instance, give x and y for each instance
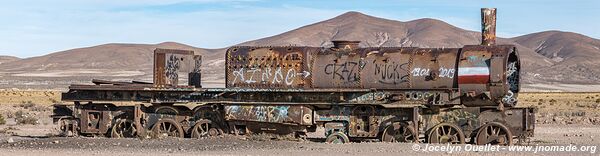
(346, 45)
(488, 26)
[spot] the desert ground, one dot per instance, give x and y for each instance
(26, 128)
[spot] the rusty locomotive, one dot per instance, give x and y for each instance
(343, 93)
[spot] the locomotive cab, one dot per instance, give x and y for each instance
(489, 75)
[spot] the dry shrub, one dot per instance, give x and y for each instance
(28, 120)
(2, 120)
(24, 118)
(26, 104)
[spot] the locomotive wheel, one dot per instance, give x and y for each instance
(167, 128)
(494, 133)
(123, 128)
(399, 132)
(205, 128)
(337, 138)
(65, 126)
(446, 133)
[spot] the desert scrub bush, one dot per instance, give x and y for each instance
(26, 104)
(597, 100)
(2, 120)
(28, 120)
(23, 118)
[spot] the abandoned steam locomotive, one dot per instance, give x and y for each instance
(344, 92)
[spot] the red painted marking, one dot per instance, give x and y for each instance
(474, 79)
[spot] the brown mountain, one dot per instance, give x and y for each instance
(574, 58)
(546, 56)
(113, 61)
(106, 56)
(374, 31)
(5, 59)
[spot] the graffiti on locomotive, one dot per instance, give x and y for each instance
(270, 71)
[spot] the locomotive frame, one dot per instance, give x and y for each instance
(295, 99)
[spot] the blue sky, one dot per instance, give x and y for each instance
(38, 27)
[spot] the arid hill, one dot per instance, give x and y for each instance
(547, 57)
(5, 59)
(123, 62)
(573, 58)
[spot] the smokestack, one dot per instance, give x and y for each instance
(347, 45)
(488, 26)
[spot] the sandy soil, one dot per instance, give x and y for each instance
(546, 135)
(560, 88)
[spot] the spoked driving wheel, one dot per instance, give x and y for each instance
(123, 128)
(205, 128)
(446, 133)
(399, 132)
(494, 133)
(167, 128)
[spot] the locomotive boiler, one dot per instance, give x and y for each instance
(343, 93)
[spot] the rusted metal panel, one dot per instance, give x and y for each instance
(434, 68)
(488, 26)
(172, 66)
(269, 67)
(283, 114)
(337, 68)
(95, 120)
(386, 68)
(195, 76)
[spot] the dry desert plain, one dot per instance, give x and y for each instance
(562, 119)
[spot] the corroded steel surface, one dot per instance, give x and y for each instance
(283, 114)
(385, 68)
(268, 67)
(488, 26)
(481, 72)
(170, 65)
